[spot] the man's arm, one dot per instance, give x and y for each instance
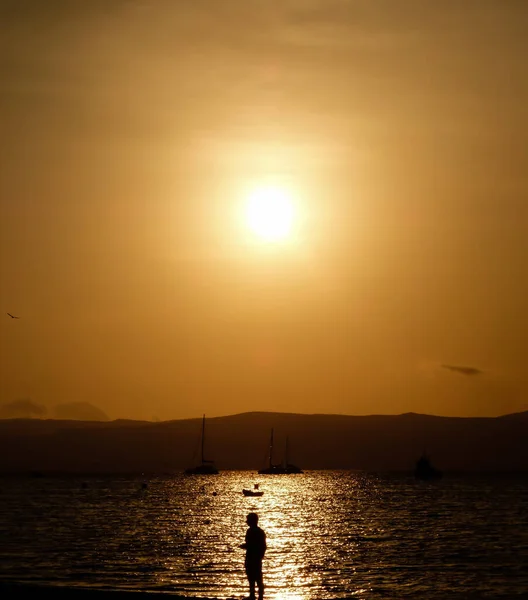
(244, 545)
(263, 546)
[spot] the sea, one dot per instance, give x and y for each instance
(330, 534)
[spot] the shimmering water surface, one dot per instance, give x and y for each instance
(330, 534)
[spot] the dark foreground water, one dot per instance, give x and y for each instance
(330, 534)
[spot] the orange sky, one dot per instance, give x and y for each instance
(130, 131)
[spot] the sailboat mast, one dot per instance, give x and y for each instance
(271, 449)
(203, 437)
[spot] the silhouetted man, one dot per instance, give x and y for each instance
(255, 548)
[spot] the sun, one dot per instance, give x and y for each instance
(270, 213)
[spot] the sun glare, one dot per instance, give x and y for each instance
(270, 213)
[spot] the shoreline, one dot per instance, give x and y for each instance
(18, 590)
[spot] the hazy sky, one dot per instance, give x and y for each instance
(131, 133)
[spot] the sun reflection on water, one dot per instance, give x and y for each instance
(301, 521)
(295, 515)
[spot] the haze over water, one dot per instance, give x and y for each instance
(330, 534)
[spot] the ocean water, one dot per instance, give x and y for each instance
(330, 534)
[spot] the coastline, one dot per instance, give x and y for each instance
(19, 590)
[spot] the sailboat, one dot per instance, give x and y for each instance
(206, 467)
(281, 469)
(424, 469)
(290, 469)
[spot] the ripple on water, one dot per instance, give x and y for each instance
(330, 534)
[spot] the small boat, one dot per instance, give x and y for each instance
(286, 468)
(254, 492)
(206, 467)
(424, 470)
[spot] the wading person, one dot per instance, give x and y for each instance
(255, 547)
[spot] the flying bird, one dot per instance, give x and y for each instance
(13, 316)
(463, 370)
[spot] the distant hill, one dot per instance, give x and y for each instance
(372, 443)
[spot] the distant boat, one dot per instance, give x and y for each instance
(254, 492)
(285, 468)
(424, 470)
(290, 469)
(206, 467)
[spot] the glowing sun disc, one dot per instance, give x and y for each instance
(270, 213)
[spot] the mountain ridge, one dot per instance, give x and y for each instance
(240, 441)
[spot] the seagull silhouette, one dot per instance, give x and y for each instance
(13, 316)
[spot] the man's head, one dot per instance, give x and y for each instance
(252, 519)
